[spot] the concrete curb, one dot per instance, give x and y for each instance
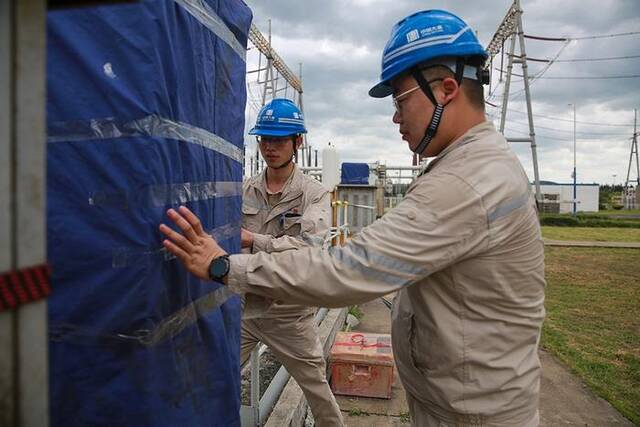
(291, 408)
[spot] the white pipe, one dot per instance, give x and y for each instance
(255, 384)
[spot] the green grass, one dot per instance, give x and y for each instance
(356, 412)
(616, 212)
(405, 417)
(595, 220)
(593, 322)
(592, 234)
(356, 312)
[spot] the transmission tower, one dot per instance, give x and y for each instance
(268, 76)
(630, 194)
(634, 150)
(511, 29)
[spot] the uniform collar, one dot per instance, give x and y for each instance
(291, 189)
(477, 132)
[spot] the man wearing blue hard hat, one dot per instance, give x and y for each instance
(279, 206)
(463, 249)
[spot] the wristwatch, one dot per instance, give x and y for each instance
(219, 267)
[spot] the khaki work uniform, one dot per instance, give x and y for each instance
(278, 221)
(464, 251)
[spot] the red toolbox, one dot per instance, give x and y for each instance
(362, 364)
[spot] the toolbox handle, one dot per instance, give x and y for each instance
(361, 370)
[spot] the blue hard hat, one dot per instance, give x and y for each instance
(423, 37)
(280, 117)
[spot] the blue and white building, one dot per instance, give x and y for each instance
(587, 196)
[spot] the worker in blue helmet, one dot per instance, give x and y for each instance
(433, 53)
(280, 120)
(463, 248)
(280, 206)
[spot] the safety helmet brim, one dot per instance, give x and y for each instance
(381, 90)
(275, 132)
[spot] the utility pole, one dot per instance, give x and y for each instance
(268, 85)
(301, 106)
(634, 150)
(632, 197)
(574, 161)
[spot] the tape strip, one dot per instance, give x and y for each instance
(167, 328)
(167, 194)
(152, 125)
(210, 19)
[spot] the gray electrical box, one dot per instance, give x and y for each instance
(362, 205)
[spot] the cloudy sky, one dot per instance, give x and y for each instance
(340, 42)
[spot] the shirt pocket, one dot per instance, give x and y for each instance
(419, 347)
(409, 338)
(251, 218)
(291, 224)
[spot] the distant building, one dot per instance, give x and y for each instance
(631, 198)
(558, 198)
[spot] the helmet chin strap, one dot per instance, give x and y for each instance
(432, 128)
(431, 131)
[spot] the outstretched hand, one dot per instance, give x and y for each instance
(194, 248)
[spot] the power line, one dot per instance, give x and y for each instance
(582, 132)
(564, 120)
(546, 60)
(631, 76)
(564, 39)
(546, 39)
(533, 79)
(539, 76)
(604, 36)
(519, 132)
(539, 135)
(611, 58)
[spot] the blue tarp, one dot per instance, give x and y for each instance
(145, 111)
(355, 174)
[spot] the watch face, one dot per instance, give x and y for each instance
(219, 267)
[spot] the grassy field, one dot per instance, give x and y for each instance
(593, 321)
(592, 234)
(618, 212)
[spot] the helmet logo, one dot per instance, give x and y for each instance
(268, 116)
(431, 30)
(412, 36)
(296, 115)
